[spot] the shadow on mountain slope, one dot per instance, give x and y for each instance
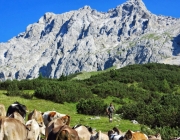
(176, 45)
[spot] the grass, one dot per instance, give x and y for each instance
(86, 75)
(151, 36)
(96, 122)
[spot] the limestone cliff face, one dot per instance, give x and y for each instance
(88, 40)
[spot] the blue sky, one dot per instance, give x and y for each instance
(16, 15)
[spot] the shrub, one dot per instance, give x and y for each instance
(94, 106)
(27, 95)
(167, 132)
(13, 90)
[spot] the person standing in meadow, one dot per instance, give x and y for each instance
(110, 109)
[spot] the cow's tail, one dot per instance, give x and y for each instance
(1, 129)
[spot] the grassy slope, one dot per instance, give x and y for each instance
(70, 108)
(86, 75)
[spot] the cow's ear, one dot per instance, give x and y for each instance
(40, 124)
(28, 127)
(129, 134)
(64, 119)
(69, 119)
(52, 114)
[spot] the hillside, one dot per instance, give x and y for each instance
(148, 93)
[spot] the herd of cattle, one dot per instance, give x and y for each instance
(52, 125)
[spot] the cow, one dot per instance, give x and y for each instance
(17, 116)
(154, 137)
(35, 127)
(51, 115)
(16, 106)
(130, 135)
(175, 138)
(84, 132)
(13, 129)
(37, 115)
(55, 123)
(87, 133)
(115, 134)
(2, 110)
(63, 132)
(99, 136)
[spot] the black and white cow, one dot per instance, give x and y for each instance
(16, 106)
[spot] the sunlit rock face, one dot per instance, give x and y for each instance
(88, 40)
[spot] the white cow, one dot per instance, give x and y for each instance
(35, 114)
(34, 128)
(100, 136)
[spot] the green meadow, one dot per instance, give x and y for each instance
(96, 122)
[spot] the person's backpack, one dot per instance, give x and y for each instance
(110, 109)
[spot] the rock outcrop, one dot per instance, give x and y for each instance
(88, 40)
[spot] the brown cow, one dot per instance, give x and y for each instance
(63, 132)
(2, 110)
(13, 129)
(55, 123)
(17, 116)
(130, 135)
(51, 115)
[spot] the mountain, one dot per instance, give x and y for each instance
(88, 40)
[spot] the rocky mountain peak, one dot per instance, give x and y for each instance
(133, 10)
(86, 7)
(88, 40)
(137, 2)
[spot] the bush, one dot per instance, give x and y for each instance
(95, 106)
(167, 132)
(13, 90)
(27, 95)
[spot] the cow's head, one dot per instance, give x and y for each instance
(66, 119)
(20, 108)
(37, 115)
(51, 116)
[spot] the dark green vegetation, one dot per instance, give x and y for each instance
(148, 93)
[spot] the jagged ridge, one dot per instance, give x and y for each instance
(88, 40)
